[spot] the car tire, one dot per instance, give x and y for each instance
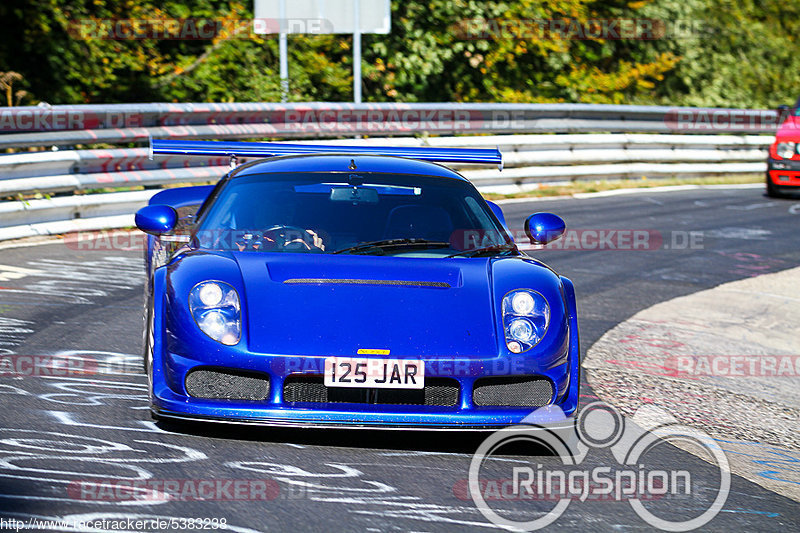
(147, 335)
(147, 355)
(772, 190)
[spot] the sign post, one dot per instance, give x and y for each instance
(319, 17)
(357, 51)
(283, 50)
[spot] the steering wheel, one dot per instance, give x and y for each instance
(286, 237)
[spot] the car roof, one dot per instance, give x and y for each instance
(343, 163)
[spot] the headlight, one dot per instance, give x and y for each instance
(210, 294)
(520, 329)
(215, 307)
(785, 150)
(522, 303)
(526, 316)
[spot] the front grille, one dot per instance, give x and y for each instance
(442, 392)
(227, 385)
(512, 391)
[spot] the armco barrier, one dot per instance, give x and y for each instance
(540, 142)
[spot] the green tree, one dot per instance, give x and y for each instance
(434, 53)
(59, 47)
(740, 53)
(732, 53)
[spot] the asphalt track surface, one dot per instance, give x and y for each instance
(56, 431)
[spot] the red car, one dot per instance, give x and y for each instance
(783, 164)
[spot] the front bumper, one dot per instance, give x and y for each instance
(783, 172)
(553, 420)
(170, 399)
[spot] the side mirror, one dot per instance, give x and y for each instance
(156, 219)
(542, 228)
(784, 112)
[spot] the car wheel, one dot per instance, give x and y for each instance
(147, 338)
(772, 190)
(147, 359)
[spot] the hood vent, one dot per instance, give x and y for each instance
(350, 281)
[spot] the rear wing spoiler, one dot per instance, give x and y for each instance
(258, 149)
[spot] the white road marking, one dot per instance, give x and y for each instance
(67, 418)
(750, 207)
(78, 282)
(739, 233)
(11, 389)
(32, 241)
(13, 330)
(652, 200)
(8, 272)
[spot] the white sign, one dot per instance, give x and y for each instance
(322, 16)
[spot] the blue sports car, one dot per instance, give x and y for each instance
(351, 287)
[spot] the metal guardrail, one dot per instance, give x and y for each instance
(123, 123)
(677, 143)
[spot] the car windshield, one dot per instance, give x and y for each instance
(347, 213)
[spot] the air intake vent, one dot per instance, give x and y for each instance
(227, 385)
(512, 391)
(442, 392)
(345, 281)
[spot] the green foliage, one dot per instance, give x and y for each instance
(731, 53)
(747, 57)
(737, 53)
(437, 52)
(54, 44)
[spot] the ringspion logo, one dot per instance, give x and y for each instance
(638, 479)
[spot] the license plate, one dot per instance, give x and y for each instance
(374, 373)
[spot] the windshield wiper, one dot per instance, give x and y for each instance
(394, 243)
(494, 249)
